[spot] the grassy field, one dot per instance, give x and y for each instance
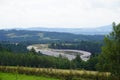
(52, 73)
(13, 76)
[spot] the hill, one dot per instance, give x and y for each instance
(26, 35)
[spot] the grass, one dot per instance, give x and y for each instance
(62, 74)
(15, 76)
(55, 70)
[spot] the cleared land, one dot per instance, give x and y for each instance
(68, 53)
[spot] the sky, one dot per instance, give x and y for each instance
(58, 13)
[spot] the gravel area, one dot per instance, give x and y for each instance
(63, 52)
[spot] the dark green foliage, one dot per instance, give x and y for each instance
(34, 59)
(30, 59)
(93, 47)
(91, 63)
(33, 51)
(14, 47)
(109, 60)
(78, 61)
(1, 48)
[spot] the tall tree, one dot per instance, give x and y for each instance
(78, 61)
(33, 51)
(109, 59)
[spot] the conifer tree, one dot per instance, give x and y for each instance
(109, 59)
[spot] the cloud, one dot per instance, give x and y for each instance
(58, 13)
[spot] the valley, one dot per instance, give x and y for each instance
(59, 40)
(57, 55)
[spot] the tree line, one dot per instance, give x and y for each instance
(33, 59)
(93, 47)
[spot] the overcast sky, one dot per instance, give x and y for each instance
(58, 13)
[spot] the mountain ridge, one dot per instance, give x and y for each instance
(103, 30)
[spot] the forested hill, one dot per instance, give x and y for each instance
(24, 35)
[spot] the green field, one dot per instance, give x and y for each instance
(15, 73)
(13, 76)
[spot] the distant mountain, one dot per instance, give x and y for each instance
(86, 31)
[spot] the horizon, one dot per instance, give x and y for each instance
(22, 28)
(58, 14)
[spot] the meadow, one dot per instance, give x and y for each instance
(62, 74)
(15, 76)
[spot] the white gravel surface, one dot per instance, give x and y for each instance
(57, 52)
